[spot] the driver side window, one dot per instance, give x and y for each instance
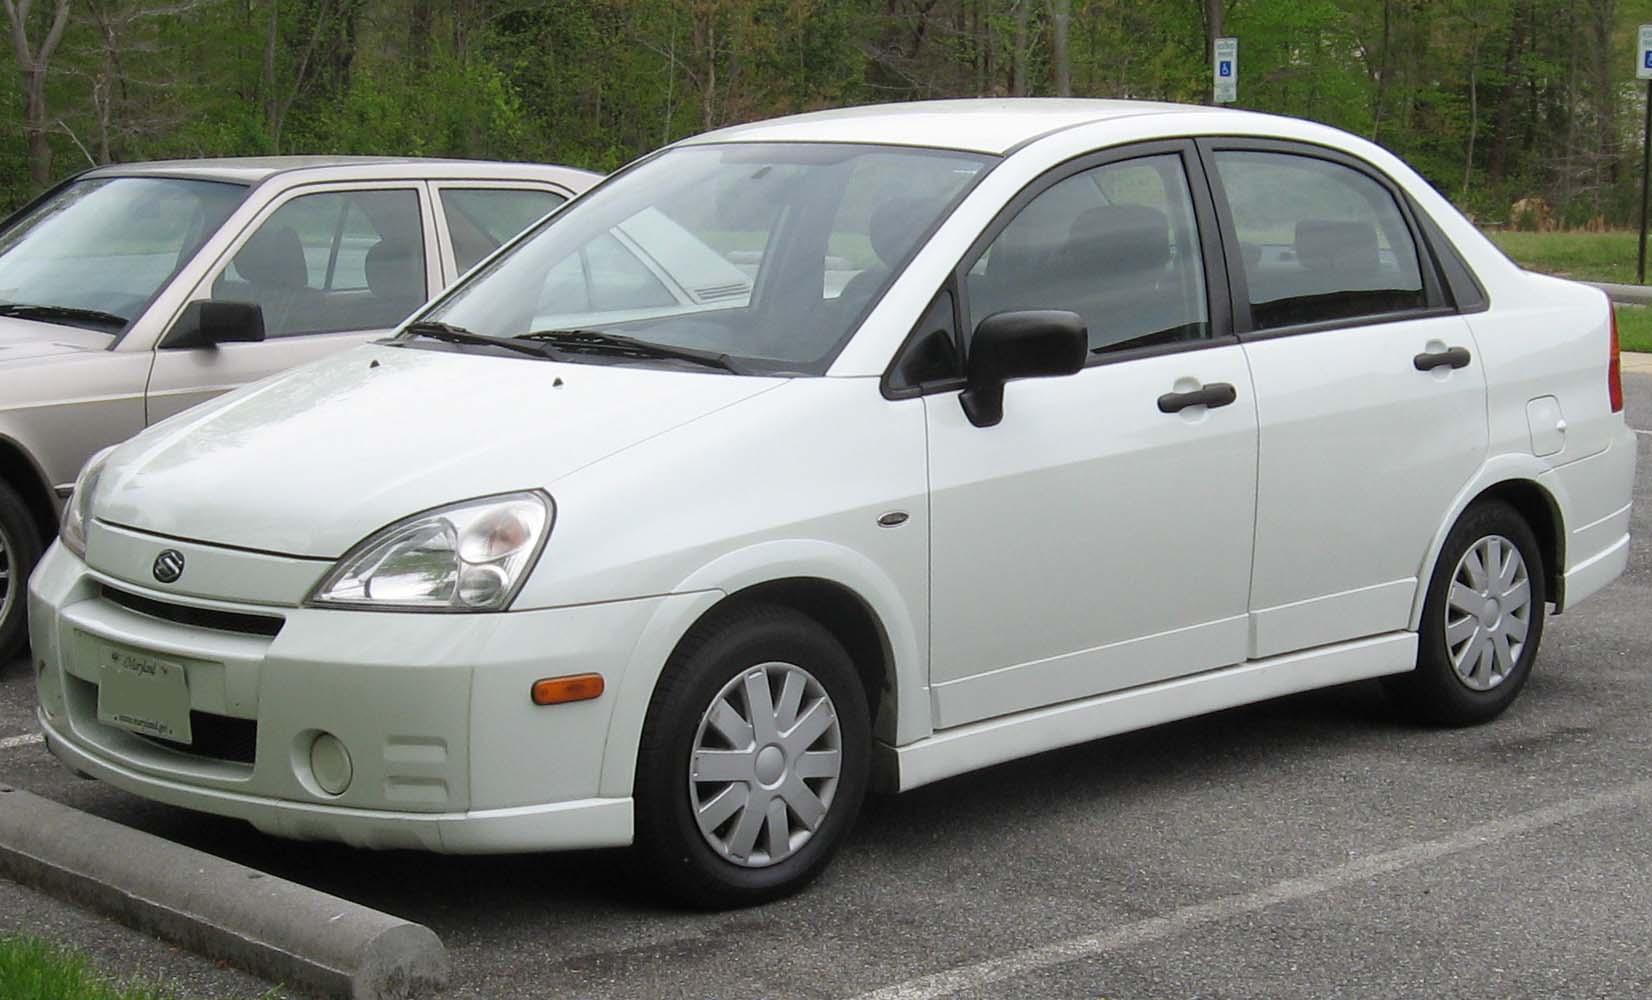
(332, 261)
(1116, 244)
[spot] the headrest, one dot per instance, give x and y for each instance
(394, 273)
(274, 258)
(895, 226)
(1336, 245)
(1120, 239)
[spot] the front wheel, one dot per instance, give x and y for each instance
(1482, 621)
(19, 551)
(754, 758)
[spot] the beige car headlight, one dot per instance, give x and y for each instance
(470, 556)
(77, 512)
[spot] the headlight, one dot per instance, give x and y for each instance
(78, 510)
(470, 556)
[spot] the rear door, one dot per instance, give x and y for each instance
(1370, 391)
(331, 266)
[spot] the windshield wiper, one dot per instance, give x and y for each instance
(459, 335)
(70, 314)
(603, 341)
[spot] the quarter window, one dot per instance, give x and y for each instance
(1116, 244)
(480, 220)
(1319, 241)
(332, 261)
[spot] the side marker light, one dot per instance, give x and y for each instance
(560, 690)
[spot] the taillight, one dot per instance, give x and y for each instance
(1614, 369)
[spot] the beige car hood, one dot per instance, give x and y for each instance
(26, 339)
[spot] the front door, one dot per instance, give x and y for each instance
(1099, 537)
(330, 268)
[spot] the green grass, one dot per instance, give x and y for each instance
(1584, 256)
(32, 969)
(1635, 328)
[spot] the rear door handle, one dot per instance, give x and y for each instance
(1456, 357)
(1212, 394)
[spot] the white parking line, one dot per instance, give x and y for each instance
(1637, 430)
(21, 741)
(1157, 928)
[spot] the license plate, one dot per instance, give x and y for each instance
(143, 694)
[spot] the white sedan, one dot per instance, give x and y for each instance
(999, 426)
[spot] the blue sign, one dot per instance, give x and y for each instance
(1648, 62)
(1226, 68)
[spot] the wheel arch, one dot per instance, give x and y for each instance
(1535, 503)
(851, 621)
(1541, 512)
(19, 471)
(842, 589)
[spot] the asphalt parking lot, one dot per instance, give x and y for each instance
(1309, 847)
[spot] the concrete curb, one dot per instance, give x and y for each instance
(1633, 295)
(273, 928)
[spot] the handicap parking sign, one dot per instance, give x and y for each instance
(1226, 68)
(1224, 63)
(1643, 64)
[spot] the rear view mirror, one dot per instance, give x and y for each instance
(1012, 345)
(208, 322)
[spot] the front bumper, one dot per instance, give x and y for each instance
(448, 751)
(581, 823)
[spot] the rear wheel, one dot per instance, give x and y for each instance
(754, 759)
(1482, 621)
(19, 551)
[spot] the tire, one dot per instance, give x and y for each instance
(745, 857)
(1471, 658)
(19, 551)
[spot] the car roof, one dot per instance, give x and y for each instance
(984, 125)
(257, 169)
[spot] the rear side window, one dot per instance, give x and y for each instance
(480, 220)
(1320, 241)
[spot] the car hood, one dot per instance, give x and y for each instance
(23, 338)
(310, 462)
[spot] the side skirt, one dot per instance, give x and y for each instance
(993, 741)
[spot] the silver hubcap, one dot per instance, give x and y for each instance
(1488, 612)
(765, 764)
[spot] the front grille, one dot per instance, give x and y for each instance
(216, 736)
(184, 614)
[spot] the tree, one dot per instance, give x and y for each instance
(1061, 63)
(1213, 30)
(33, 61)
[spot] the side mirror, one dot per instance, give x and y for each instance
(1010, 345)
(208, 322)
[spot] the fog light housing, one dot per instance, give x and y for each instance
(330, 764)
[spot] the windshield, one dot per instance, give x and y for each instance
(767, 252)
(97, 251)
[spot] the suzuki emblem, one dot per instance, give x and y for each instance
(169, 565)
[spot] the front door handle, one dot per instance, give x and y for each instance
(1456, 357)
(1212, 394)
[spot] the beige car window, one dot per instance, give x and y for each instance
(332, 261)
(480, 220)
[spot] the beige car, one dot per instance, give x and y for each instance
(132, 292)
